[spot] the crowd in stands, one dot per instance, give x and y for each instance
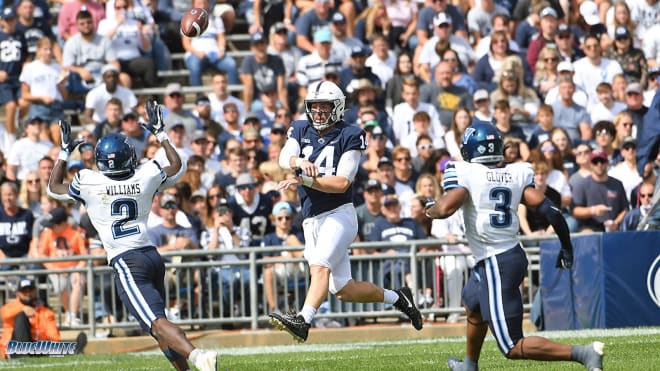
(567, 84)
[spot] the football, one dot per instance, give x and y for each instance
(194, 22)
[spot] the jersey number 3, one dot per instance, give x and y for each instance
(502, 218)
(120, 207)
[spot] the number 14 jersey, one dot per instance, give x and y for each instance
(119, 209)
(490, 213)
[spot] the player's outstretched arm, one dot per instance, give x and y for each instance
(533, 198)
(57, 189)
(449, 203)
(157, 127)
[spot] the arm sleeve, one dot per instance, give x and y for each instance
(348, 164)
(554, 217)
(291, 149)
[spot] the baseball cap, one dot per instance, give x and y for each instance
(629, 142)
(175, 124)
(565, 66)
(323, 35)
(359, 50)
(197, 135)
(36, 119)
(278, 128)
(74, 164)
(634, 87)
(338, 17)
(173, 87)
(282, 207)
(8, 13)
(654, 70)
(26, 283)
(130, 115)
(331, 70)
(441, 18)
(377, 130)
(598, 154)
(384, 160)
(54, 217)
(202, 99)
(257, 37)
(563, 29)
(109, 68)
(277, 27)
(390, 200)
(373, 183)
(621, 33)
(589, 11)
(244, 179)
(198, 194)
(548, 11)
(166, 199)
(252, 117)
(480, 94)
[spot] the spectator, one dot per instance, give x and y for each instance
(459, 123)
(623, 125)
(342, 44)
(369, 211)
(546, 76)
(403, 170)
(202, 110)
(524, 102)
(42, 87)
(382, 60)
(594, 69)
(130, 40)
(480, 19)
(250, 210)
(29, 194)
(311, 67)
(268, 14)
(137, 135)
(111, 122)
(482, 107)
(582, 159)
(279, 274)
(10, 67)
(644, 15)
(631, 59)
(35, 28)
(279, 45)
(502, 115)
(220, 96)
(607, 107)
(619, 85)
(262, 73)
(85, 53)
(546, 36)
(459, 75)
(236, 163)
(209, 50)
(565, 43)
(68, 22)
(403, 71)
(589, 23)
(363, 97)
(604, 133)
(426, 16)
(545, 120)
(175, 112)
(527, 29)
(626, 170)
(27, 151)
(562, 143)
(532, 223)
(565, 70)
(654, 73)
(177, 133)
(500, 23)
(557, 177)
(424, 148)
(428, 58)
(26, 319)
(512, 150)
(634, 216)
(488, 66)
(445, 95)
(403, 15)
(373, 21)
(391, 227)
(16, 232)
(635, 103)
(599, 201)
(403, 113)
(376, 145)
(619, 15)
(98, 97)
(60, 239)
(358, 70)
(404, 192)
(309, 23)
(569, 115)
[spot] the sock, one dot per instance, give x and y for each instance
(192, 357)
(470, 365)
(390, 296)
(308, 313)
(579, 353)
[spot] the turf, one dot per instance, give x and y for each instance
(627, 349)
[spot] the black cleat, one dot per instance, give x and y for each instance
(291, 323)
(406, 304)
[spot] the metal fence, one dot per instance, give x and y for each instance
(202, 290)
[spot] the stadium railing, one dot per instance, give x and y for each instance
(201, 290)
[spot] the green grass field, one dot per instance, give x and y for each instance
(625, 349)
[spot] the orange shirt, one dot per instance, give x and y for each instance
(42, 324)
(66, 243)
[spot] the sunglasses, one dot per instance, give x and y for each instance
(592, 46)
(629, 147)
(450, 59)
(424, 147)
(402, 159)
(548, 149)
(563, 37)
(230, 110)
(217, 195)
(176, 95)
(602, 132)
(170, 206)
(598, 161)
(378, 137)
(244, 187)
(280, 218)
(645, 195)
(203, 103)
(582, 153)
(374, 189)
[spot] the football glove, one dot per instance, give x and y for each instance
(155, 113)
(565, 259)
(427, 205)
(68, 144)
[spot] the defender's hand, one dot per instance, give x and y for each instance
(155, 114)
(565, 259)
(68, 144)
(427, 205)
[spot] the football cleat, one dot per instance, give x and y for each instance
(291, 323)
(206, 361)
(594, 361)
(455, 364)
(406, 305)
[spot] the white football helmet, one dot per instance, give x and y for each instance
(325, 91)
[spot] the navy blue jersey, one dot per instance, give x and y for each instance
(258, 220)
(13, 51)
(32, 33)
(406, 229)
(16, 232)
(325, 153)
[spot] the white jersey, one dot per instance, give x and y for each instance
(119, 209)
(491, 219)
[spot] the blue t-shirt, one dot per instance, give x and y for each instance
(16, 232)
(426, 15)
(161, 235)
(264, 75)
(309, 22)
(33, 33)
(406, 229)
(13, 52)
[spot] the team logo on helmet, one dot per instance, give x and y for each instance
(653, 281)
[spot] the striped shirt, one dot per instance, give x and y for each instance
(311, 68)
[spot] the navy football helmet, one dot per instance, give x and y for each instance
(115, 156)
(482, 143)
(325, 91)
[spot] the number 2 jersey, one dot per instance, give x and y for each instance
(325, 152)
(490, 213)
(119, 209)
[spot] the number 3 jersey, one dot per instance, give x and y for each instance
(119, 209)
(490, 213)
(325, 152)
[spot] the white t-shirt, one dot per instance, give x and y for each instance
(384, 69)
(601, 113)
(25, 155)
(42, 79)
(216, 108)
(587, 76)
(208, 41)
(460, 46)
(125, 41)
(628, 176)
(402, 120)
(98, 97)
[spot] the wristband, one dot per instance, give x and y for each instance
(307, 181)
(162, 136)
(298, 162)
(64, 155)
(593, 211)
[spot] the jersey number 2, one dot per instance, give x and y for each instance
(503, 218)
(120, 207)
